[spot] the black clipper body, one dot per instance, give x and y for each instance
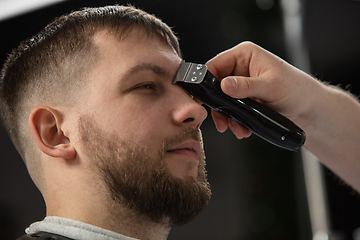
(259, 119)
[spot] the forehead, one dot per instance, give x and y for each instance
(133, 48)
(134, 42)
(119, 58)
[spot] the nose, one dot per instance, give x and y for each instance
(187, 111)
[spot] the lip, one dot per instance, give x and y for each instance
(189, 149)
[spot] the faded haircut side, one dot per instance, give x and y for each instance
(50, 67)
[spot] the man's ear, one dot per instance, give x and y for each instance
(45, 127)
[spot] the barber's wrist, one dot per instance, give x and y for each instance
(314, 111)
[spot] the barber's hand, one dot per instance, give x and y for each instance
(248, 70)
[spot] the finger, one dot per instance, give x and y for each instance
(220, 120)
(243, 87)
(234, 61)
(239, 130)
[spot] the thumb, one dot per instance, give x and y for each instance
(241, 87)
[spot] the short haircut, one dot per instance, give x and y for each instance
(49, 67)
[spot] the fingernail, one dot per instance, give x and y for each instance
(230, 84)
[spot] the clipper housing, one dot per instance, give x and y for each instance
(259, 119)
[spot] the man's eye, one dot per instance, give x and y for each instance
(149, 86)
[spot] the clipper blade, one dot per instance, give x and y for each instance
(190, 73)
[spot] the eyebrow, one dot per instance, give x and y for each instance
(148, 66)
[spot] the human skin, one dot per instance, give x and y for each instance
(133, 95)
(129, 93)
(329, 116)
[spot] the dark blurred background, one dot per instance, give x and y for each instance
(258, 189)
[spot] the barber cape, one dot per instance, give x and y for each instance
(65, 228)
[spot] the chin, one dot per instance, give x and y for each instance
(184, 172)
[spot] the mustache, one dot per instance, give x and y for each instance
(187, 133)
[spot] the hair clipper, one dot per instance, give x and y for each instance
(259, 119)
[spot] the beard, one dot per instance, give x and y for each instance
(142, 183)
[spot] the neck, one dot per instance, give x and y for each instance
(90, 203)
(117, 219)
(129, 223)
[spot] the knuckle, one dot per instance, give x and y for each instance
(247, 44)
(245, 86)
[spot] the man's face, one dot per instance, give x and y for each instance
(141, 131)
(132, 95)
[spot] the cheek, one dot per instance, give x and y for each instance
(149, 127)
(146, 125)
(134, 119)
